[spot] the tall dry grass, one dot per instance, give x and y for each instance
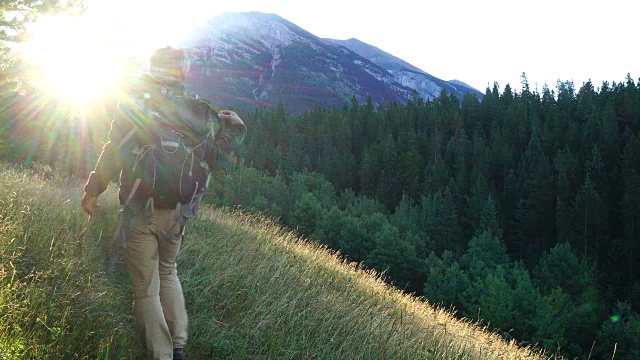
(253, 290)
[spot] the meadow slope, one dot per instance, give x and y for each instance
(254, 290)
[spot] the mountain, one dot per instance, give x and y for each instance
(427, 85)
(244, 60)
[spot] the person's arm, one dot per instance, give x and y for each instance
(109, 163)
(227, 139)
(232, 131)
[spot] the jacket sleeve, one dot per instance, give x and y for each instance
(224, 145)
(109, 163)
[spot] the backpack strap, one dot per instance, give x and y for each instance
(128, 136)
(121, 231)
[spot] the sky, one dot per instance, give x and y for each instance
(477, 42)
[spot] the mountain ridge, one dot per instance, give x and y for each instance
(257, 59)
(427, 85)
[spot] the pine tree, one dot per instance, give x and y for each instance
(628, 105)
(410, 177)
(611, 139)
(621, 331)
(406, 216)
(357, 238)
(395, 255)
(354, 242)
(526, 300)
(475, 201)
(315, 183)
(329, 226)
(485, 254)
(461, 165)
(449, 222)
(489, 219)
(630, 209)
(535, 217)
(368, 173)
(589, 224)
(552, 320)
(561, 268)
(388, 191)
(492, 301)
(566, 167)
(441, 223)
(436, 177)
(470, 111)
(501, 158)
(306, 212)
(445, 280)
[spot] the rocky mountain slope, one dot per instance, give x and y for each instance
(244, 60)
(427, 85)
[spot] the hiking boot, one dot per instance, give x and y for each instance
(178, 354)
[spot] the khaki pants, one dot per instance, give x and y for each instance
(153, 245)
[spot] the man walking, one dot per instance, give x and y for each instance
(163, 144)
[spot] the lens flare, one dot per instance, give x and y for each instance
(72, 57)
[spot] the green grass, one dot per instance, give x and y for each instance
(253, 290)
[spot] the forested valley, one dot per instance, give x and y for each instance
(520, 210)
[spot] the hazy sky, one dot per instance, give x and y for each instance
(477, 42)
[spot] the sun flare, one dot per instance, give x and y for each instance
(73, 57)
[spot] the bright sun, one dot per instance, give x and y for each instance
(80, 57)
(73, 57)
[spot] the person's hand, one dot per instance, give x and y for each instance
(89, 203)
(230, 117)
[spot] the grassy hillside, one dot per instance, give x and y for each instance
(254, 290)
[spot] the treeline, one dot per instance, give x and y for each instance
(521, 210)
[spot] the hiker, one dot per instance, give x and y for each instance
(155, 143)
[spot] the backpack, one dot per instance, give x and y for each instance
(164, 152)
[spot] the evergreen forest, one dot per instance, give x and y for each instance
(521, 211)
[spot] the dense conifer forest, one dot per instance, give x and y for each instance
(521, 210)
